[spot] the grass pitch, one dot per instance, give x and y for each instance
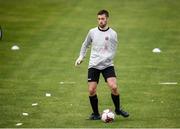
(50, 33)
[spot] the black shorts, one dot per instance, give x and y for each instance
(94, 74)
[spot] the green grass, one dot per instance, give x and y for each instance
(50, 34)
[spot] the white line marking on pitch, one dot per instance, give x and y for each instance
(168, 83)
(34, 104)
(67, 83)
(19, 124)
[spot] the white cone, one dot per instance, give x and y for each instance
(15, 47)
(156, 50)
(25, 114)
(48, 95)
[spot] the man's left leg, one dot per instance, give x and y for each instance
(111, 81)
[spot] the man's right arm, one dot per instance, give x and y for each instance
(83, 50)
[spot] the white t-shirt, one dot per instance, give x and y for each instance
(103, 47)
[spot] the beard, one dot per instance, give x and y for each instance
(102, 25)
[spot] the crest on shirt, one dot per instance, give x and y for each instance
(106, 38)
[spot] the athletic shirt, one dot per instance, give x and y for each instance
(103, 47)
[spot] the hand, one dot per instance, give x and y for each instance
(79, 61)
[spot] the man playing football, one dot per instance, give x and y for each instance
(103, 41)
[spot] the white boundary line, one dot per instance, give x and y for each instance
(66, 82)
(168, 83)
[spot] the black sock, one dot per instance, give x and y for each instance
(116, 101)
(94, 104)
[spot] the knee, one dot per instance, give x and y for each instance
(113, 87)
(114, 90)
(92, 91)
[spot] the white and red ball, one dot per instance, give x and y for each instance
(107, 116)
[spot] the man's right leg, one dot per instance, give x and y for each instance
(93, 100)
(93, 79)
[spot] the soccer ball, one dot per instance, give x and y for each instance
(107, 116)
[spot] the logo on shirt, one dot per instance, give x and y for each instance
(106, 38)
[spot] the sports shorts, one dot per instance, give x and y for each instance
(94, 74)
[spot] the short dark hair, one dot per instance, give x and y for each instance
(101, 12)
